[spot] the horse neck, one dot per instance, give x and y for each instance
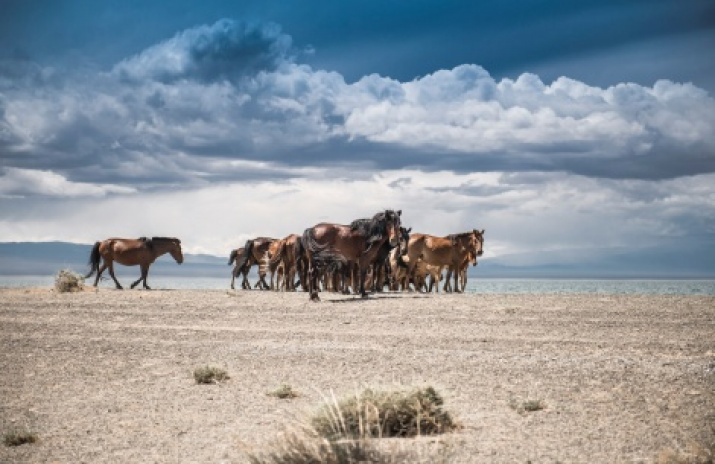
(161, 247)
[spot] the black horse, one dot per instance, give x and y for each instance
(335, 246)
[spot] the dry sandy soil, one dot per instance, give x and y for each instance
(107, 376)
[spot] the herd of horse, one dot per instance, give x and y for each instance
(367, 255)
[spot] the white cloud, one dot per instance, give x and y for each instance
(20, 182)
(533, 213)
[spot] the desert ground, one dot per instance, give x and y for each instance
(106, 376)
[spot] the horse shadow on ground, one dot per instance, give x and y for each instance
(359, 299)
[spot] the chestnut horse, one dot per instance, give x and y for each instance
(450, 251)
(282, 254)
(336, 246)
(130, 252)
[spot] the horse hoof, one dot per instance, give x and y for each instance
(314, 298)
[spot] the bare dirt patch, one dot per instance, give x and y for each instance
(107, 376)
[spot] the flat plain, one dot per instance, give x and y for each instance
(106, 376)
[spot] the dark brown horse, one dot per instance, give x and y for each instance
(131, 252)
(254, 253)
(450, 251)
(336, 246)
(235, 256)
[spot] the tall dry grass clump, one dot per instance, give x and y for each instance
(68, 281)
(350, 431)
(376, 413)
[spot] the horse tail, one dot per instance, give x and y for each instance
(232, 256)
(321, 255)
(94, 258)
(247, 251)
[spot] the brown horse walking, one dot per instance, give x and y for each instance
(336, 246)
(130, 252)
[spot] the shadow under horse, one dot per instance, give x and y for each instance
(334, 246)
(131, 252)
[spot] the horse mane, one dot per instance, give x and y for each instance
(165, 239)
(374, 229)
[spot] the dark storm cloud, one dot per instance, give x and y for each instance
(176, 113)
(226, 50)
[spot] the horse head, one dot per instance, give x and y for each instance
(392, 226)
(403, 241)
(478, 245)
(175, 251)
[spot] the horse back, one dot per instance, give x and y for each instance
(433, 250)
(127, 251)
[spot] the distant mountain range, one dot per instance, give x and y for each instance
(676, 261)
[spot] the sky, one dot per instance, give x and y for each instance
(564, 129)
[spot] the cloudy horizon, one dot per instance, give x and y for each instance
(225, 129)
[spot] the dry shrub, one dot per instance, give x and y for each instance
(208, 374)
(18, 437)
(350, 431)
(375, 413)
(68, 281)
(284, 392)
(304, 445)
(522, 407)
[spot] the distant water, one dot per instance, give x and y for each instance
(475, 285)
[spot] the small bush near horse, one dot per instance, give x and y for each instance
(68, 281)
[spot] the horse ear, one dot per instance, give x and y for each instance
(399, 212)
(409, 230)
(482, 231)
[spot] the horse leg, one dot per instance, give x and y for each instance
(99, 273)
(456, 282)
(363, 276)
(141, 277)
(313, 282)
(146, 275)
(110, 265)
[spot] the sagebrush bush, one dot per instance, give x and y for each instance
(18, 437)
(523, 407)
(349, 431)
(375, 413)
(285, 391)
(68, 281)
(209, 374)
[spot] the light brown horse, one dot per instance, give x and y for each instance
(131, 252)
(283, 254)
(449, 251)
